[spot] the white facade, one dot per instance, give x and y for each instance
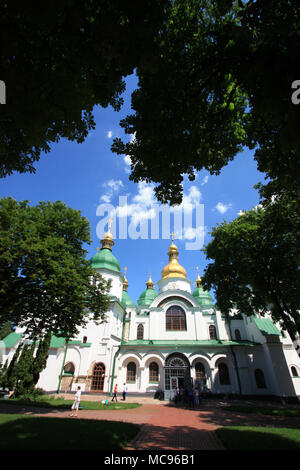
(243, 356)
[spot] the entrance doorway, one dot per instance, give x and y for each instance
(98, 378)
(177, 373)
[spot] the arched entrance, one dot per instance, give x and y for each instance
(98, 377)
(177, 373)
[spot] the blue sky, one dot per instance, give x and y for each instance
(86, 176)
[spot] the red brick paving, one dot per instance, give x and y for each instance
(167, 427)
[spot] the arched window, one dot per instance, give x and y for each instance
(175, 319)
(98, 377)
(212, 332)
(294, 372)
(223, 374)
(131, 372)
(200, 371)
(84, 339)
(237, 335)
(140, 332)
(153, 372)
(69, 368)
(259, 378)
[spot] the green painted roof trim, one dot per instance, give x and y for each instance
(56, 341)
(199, 343)
(266, 326)
(12, 339)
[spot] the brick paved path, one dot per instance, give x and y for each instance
(173, 428)
(166, 427)
(163, 426)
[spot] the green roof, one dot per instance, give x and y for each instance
(203, 297)
(199, 343)
(126, 300)
(147, 296)
(104, 259)
(266, 326)
(12, 339)
(57, 342)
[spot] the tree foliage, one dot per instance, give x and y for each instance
(256, 260)
(45, 279)
(222, 80)
(214, 76)
(61, 59)
(5, 329)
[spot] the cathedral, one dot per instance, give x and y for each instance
(174, 337)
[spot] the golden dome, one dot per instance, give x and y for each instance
(173, 269)
(198, 280)
(107, 240)
(125, 282)
(150, 283)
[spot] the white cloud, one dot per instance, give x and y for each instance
(127, 161)
(222, 208)
(109, 134)
(111, 187)
(204, 181)
(145, 194)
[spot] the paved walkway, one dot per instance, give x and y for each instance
(166, 427)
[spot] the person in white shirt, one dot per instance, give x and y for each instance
(76, 402)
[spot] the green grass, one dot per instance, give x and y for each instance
(23, 432)
(61, 404)
(289, 412)
(259, 438)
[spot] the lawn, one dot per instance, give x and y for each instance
(289, 412)
(23, 432)
(61, 404)
(259, 438)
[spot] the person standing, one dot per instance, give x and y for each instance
(124, 391)
(115, 398)
(76, 402)
(196, 397)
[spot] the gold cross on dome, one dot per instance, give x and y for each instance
(172, 235)
(109, 224)
(125, 270)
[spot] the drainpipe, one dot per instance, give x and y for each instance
(234, 357)
(113, 370)
(62, 367)
(116, 354)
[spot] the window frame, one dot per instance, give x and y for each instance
(153, 378)
(176, 321)
(129, 372)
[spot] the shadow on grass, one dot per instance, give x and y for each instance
(259, 438)
(35, 433)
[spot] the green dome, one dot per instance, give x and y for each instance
(146, 298)
(105, 259)
(203, 297)
(126, 300)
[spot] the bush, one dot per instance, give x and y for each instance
(30, 395)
